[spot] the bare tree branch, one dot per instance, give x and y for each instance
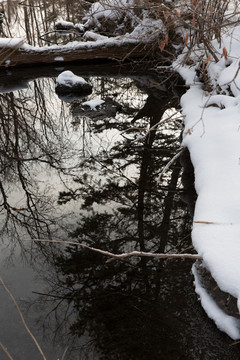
(171, 162)
(23, 320)
(125, 255)
(6, 351)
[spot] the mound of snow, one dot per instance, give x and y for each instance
(67, 82)
(93, 103)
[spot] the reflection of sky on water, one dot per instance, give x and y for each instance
(72, 140)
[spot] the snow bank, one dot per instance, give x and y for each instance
(226, 323)
(212, 135)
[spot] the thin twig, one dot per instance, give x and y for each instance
(125, 255)
(171, 162)
(22, 318)
(6, 351)
(65, 351)
(213, 222)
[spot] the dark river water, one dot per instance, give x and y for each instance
(87, 176)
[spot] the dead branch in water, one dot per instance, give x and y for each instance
(6, 351)
(124, 255)
(23, 321)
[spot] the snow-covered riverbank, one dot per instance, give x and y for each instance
(212, 135)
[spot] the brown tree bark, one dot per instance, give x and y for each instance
(10, 57)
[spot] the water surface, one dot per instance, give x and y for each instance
(74, 174)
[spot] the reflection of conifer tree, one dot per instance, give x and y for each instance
(124, 306)
(142, 205)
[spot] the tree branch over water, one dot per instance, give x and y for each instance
(124, 255)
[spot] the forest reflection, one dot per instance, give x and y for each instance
(35, 18)
(93, 177)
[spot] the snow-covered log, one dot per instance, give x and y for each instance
(113, 49)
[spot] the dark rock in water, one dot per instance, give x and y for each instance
(69, 83)
(82, 89)
(70, 97)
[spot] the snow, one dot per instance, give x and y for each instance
(147, 29)
(64, 23)
(224, 322)
(68, 78)
(110, 11)
(212, 135)
(59, 58)
(93, 103)
(82, 45)
(11, 42)
(90, 35)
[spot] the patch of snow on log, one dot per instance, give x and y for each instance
(59, 58)
(11, 42)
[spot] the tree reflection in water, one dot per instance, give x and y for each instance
(31, 142)
(94, 165)
(128, 309)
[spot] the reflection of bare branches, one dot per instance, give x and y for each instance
(22, 2)
(28, 138)
(65, 352)
(6, 351)
(22, 318)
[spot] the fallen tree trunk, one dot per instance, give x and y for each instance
(28, 55)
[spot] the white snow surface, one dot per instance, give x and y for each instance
(68, 78)
(64, 23)
(93, 103)
(212, 135)
(224, 322)
(11, 42)
(110, 11)
(59, 58)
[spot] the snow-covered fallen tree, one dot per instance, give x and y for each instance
(116, 29)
